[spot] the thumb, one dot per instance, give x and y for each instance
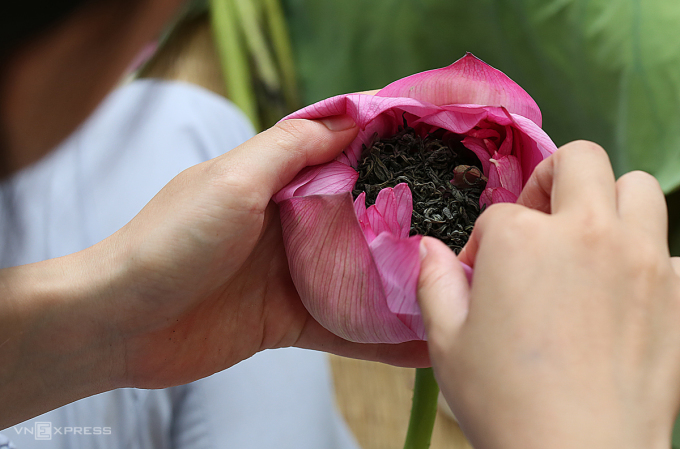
(443, 291)
(270, 160)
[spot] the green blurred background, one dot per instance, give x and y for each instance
(602, 70)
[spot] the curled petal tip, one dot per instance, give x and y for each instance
(467, 81)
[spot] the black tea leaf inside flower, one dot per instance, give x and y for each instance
(445, 179)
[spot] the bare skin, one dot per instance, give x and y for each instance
(569, 336)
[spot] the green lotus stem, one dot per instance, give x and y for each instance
(233, 59)
(257, 43)
(280, 38)
(423, 410)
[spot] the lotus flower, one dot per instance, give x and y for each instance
(356, 268)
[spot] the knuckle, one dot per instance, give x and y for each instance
(296, 137)
(291, 132)
(234, 185)
(507, 218)
(594, 225)
(646, 260)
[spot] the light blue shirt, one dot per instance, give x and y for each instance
(95, 182)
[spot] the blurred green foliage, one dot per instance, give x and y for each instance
(603, 70)
(256, 57)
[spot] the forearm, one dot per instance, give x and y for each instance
(55, 347)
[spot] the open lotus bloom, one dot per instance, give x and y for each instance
(356, 268)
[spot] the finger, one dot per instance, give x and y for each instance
(495, 215)
(469, 252)
(641, 202)
(412, 354)
(579, 175)
(536, 192)
(270, 160)
(443, 291)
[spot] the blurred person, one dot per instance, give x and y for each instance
(193, 284)
(142, 136)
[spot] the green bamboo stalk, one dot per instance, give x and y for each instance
(423, 410)
(283, 51)
(257, 44)
(233, 59)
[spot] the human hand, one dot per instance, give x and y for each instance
(569, 336)
(205, 282)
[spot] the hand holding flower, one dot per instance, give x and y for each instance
(197, 282)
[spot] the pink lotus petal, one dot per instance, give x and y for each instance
(396, 206)
(383, 115)
(402, 193)
(468, 272)
(360, 206)
(364, 108)
(507, 145)
(467, 81)
(355, 267)
(490, 146)
(485, 198)
(534, 145)
(458, 119)
(333, 177)
(379, 224)
(498, 195)
(502, 195)
(334, 271)
(362, 217)
(507, 173)
(398, 262)
(477, 146)
(486, 133)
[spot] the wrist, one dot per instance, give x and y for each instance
(55, 343)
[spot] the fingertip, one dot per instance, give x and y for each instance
(582, 179)
(443, 289)
(582, 144)
(431, 245)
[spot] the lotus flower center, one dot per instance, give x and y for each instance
(445, 179)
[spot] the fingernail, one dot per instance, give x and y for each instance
(339, 122)
(423, 250)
